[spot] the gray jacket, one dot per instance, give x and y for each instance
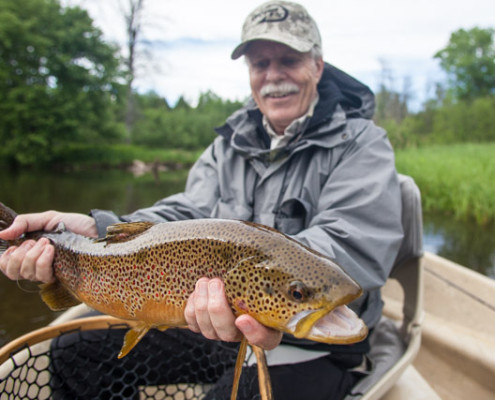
(334, 187)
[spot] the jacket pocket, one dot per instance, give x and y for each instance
(292, 216)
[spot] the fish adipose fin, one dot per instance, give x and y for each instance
(132, 338)
(124, 232)
(57, 297)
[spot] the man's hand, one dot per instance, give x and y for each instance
(33, 260)
(208, 312)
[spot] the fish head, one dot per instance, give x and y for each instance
(301, 294)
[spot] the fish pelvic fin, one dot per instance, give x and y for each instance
(57, 296)
(132, 338)
(123, 232)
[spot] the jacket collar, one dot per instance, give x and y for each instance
(341, 97)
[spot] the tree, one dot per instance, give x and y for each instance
(468, 60)
(390, 103)
(133, 20)
(58, 80)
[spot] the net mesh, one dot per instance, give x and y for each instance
(173, 365)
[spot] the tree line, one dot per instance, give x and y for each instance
(462, 108)
(62, 87)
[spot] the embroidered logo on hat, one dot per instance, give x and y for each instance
(276, 13)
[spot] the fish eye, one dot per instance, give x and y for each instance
(299, 292)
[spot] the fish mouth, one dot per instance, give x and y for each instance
(338, 326)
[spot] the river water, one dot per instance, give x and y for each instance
(21, 309)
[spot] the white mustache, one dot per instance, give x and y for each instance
(279, 89)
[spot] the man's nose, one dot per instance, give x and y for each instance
(274, 72)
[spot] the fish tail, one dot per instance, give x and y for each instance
(4, 245)
(7, 216)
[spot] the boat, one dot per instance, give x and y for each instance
(456, 357)
(436, 339)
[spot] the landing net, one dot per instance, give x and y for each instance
(80, 364)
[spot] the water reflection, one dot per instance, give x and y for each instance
(21, 308)
(463, 242)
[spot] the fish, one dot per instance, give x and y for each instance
(145, 272)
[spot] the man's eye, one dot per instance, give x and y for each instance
(290, 62)
(261, 64)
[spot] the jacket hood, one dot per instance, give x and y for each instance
(337, 91)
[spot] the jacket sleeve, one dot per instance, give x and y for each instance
(358, 217)
(197, 201)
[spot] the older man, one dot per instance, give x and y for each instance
(302, 156)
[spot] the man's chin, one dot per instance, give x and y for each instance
(282, 116)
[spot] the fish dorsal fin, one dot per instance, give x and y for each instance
(124, 232)
(132, 338)
(57, 297)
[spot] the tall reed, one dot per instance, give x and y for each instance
(456, 179)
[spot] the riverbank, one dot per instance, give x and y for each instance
(455, 180)
(80, 157)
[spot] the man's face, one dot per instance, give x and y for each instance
(283, 81)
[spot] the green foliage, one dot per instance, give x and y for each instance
(183, 127)
(454, 179)
(56, 80)
(452, 122)
(468, 60)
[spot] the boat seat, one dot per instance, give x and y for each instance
(393, 347)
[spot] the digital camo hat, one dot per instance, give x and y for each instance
(279, 21)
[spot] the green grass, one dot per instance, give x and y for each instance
(456, 179)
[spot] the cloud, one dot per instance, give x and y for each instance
(192, 40)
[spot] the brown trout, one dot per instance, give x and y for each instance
(145, 272)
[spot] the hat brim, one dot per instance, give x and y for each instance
(298, 45)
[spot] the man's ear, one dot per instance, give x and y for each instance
(320, 64)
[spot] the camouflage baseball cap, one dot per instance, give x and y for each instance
(279, 21)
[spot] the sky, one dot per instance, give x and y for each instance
(189, 42)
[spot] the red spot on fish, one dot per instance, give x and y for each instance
(241, 305)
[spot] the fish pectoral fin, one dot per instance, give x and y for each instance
(132, 338)
(124, 232)
(57, 296)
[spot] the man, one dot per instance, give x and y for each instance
(301, 156)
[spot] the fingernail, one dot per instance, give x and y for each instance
(203, 288)
(214, 287)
